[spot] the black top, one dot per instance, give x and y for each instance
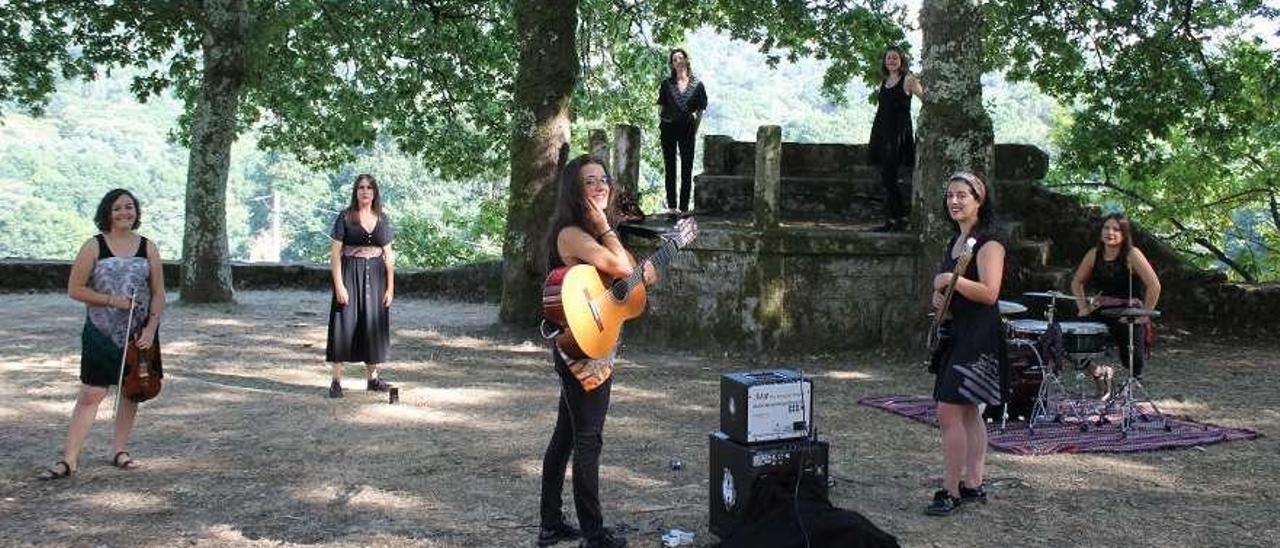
(1112, 278)
(891, 138)
(677, 107)
(104, 250)
(348, 231)
(960, 305)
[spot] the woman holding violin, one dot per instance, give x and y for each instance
(118, 275)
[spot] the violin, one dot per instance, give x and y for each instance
(141, 380)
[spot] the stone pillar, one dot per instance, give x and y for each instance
(714, 149)
(598, 146)
(626, 158)
(768, 179)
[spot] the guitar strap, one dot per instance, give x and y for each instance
(590, 373)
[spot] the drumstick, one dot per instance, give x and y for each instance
(128, 326)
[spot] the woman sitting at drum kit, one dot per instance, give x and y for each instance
(1122, 278)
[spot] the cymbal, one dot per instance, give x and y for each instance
(1129, 312)
(1010, 307)
(1051, 294)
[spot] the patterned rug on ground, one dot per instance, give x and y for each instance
(1067, 437)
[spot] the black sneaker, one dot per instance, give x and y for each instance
(606, 539)
(943, 504)
(557, 532)
(335, 390)
(976, 494)
(377, 385)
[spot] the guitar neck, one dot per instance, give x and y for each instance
(659, 259)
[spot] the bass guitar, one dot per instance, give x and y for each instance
(589, 310)
(937, 336)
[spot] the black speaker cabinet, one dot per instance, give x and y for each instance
(735, 468)
(765, 405)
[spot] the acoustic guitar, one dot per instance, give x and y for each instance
(589, 309)
(936, 336)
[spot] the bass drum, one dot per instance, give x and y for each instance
(1025, 375)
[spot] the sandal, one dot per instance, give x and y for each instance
(53, 472)
(126, 464)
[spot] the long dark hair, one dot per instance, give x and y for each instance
(571, 207)
(1126, 232)
(354, 206)
(102, 217)
(687, 63)
(986, 204)
(904, 67)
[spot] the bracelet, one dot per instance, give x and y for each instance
(605, 233)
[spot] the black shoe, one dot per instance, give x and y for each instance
(976, 494)
(377, 385)
(606, 539)
(335, 390)
(943, 504)
(556, 532)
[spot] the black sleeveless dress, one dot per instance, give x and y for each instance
(975, 369)
(892, 142)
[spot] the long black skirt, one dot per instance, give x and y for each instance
(360, 331)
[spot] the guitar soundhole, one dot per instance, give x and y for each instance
(619, 291)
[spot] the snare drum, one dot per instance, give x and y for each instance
(1030, 330)
(1088, 338)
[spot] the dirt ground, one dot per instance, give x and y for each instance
(243, 449)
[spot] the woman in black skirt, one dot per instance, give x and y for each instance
(363, 267)
(892, 145)
(973, 369)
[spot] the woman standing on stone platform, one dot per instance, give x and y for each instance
(363, 269)
(973, 369)
(892, 144)
(683, 98)
(116, 272)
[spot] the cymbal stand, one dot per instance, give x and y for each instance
(1133, 395)
(1051, 386)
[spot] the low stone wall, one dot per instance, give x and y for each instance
(477, 282)
(789, 290)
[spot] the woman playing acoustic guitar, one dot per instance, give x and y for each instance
(973, 365)
(582, 233)
(110, 267)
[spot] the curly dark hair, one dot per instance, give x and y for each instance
(102, 217)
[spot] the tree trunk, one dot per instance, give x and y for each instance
(955, 131)
(545, 77)
(206, 270)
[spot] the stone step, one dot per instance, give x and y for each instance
(1016, 230)
(1045, 279)
(1031, 254)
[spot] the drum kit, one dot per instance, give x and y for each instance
(1039, 351)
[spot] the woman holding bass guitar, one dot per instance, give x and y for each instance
(972, 368)
(118, 275)
(582, 233)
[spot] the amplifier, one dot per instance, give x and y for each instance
(735, 468)
(766, 405)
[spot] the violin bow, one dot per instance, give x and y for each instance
(124, 352)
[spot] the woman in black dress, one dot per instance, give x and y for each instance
(363, 268)
(1122, 277)
(682, 98)
(974, 370)
(116, 271)
(582, 233)
(892, 145)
